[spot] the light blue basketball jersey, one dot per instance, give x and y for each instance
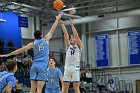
(7, 78)
(41, 51)
(53, 78)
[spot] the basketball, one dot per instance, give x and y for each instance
(58, 4)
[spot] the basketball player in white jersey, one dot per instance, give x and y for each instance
(72, 61)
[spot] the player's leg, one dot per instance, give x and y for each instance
(76, 80)
(41, 76)
(66, 81)
(76, 87)
(33, 79)
(40, 85)
(65, 87)
(33, 86)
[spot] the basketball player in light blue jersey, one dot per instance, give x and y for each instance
(54, 75)
(72, 62)
(7, 78)
(38, 70)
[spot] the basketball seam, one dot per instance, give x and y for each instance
(58, 4)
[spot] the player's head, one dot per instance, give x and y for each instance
(51, 61)
(11, 66)
(37, 34)
(73, 39)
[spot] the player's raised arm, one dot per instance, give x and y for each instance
(18, 51)
(66, 35)
(50, 33)
(75, 34)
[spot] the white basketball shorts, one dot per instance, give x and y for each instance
(71, 76)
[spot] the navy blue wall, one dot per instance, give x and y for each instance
(10, 29)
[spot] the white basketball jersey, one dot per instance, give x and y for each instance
(72, 61)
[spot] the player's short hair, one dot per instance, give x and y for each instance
(37, 34)
(10, 65)
(52, 58)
